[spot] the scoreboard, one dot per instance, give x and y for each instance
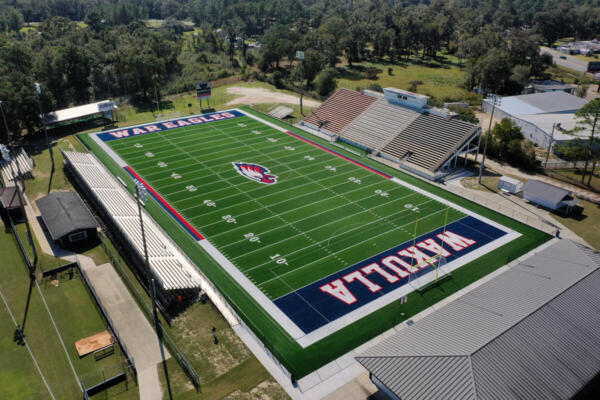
(203, 90)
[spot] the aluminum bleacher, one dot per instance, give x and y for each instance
(339, 110)
(171, 268)
(25, 164)
(378, 124)
(397, 126)
(430, 140)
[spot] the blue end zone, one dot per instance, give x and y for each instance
(310, 307)
(167, 125)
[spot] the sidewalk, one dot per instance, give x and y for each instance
(133, 327)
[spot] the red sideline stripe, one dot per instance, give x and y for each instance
(166, 204)
(340, 155)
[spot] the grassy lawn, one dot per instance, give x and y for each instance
(574, 176)
(76, 316)
(489, 183)
(587, 225)
(440, 79)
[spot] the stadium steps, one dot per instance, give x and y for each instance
(379, 124)
(430, 140)
(172, 269)
(340, 110)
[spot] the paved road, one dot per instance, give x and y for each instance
(569, 62)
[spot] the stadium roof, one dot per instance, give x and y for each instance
(529, 333)
(67, 114)
(340, 110)
(541, 103)
(65, 212)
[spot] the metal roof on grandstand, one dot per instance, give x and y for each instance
(65, 212)
(529, 333)
(340, 110)
(67, 114)
(171, 268)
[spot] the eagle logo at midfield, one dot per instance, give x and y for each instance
(255, 172)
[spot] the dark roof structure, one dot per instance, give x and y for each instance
(529, 333)
(65, 212)
(340, 110)
(551, 193)
(10, 198)
(549, 85)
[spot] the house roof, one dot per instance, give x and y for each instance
(65, 212)
(550, 84)
(551, 193)
(10, 198)
(529, 333)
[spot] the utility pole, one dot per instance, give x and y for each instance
(38, 89)
(5, 123)
(494, 99)
(550, 144)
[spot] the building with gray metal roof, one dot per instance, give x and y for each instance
(529, 333)
(66, 217)
(544, 118)
(548, 196)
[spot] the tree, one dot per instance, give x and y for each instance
(313, 63)
(503, 134)
(587, 119)
(325, 82)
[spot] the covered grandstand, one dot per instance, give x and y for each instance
(397, 126)
(176, 276)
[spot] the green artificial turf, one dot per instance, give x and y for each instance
(297, 360)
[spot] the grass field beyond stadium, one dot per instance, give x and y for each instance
(321, 237)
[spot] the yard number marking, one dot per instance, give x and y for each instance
(330, 168)
(209, 203)
(149, 154)
(355, 180)
(290, 148)
(229, 219)
(252, 237)
(175, 175)
(412, 207)
(272, 140)
(279, 259)
(382, 193)
(242, 125)
(309, 158)
(191, 188)
(162, 164)
(138, 145)
(256, 132)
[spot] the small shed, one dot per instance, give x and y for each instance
(67, 218)
(549, 196)
(510, 185)
(11, 202)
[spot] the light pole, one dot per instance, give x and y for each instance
(494, 99)
(5, 123)
(300, 56)
(141, 194)
(38, 89)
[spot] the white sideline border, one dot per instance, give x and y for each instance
(305, 340)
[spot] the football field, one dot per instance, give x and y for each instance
(319, 240)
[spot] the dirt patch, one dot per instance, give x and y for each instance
(266, 390)
(261, 95)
